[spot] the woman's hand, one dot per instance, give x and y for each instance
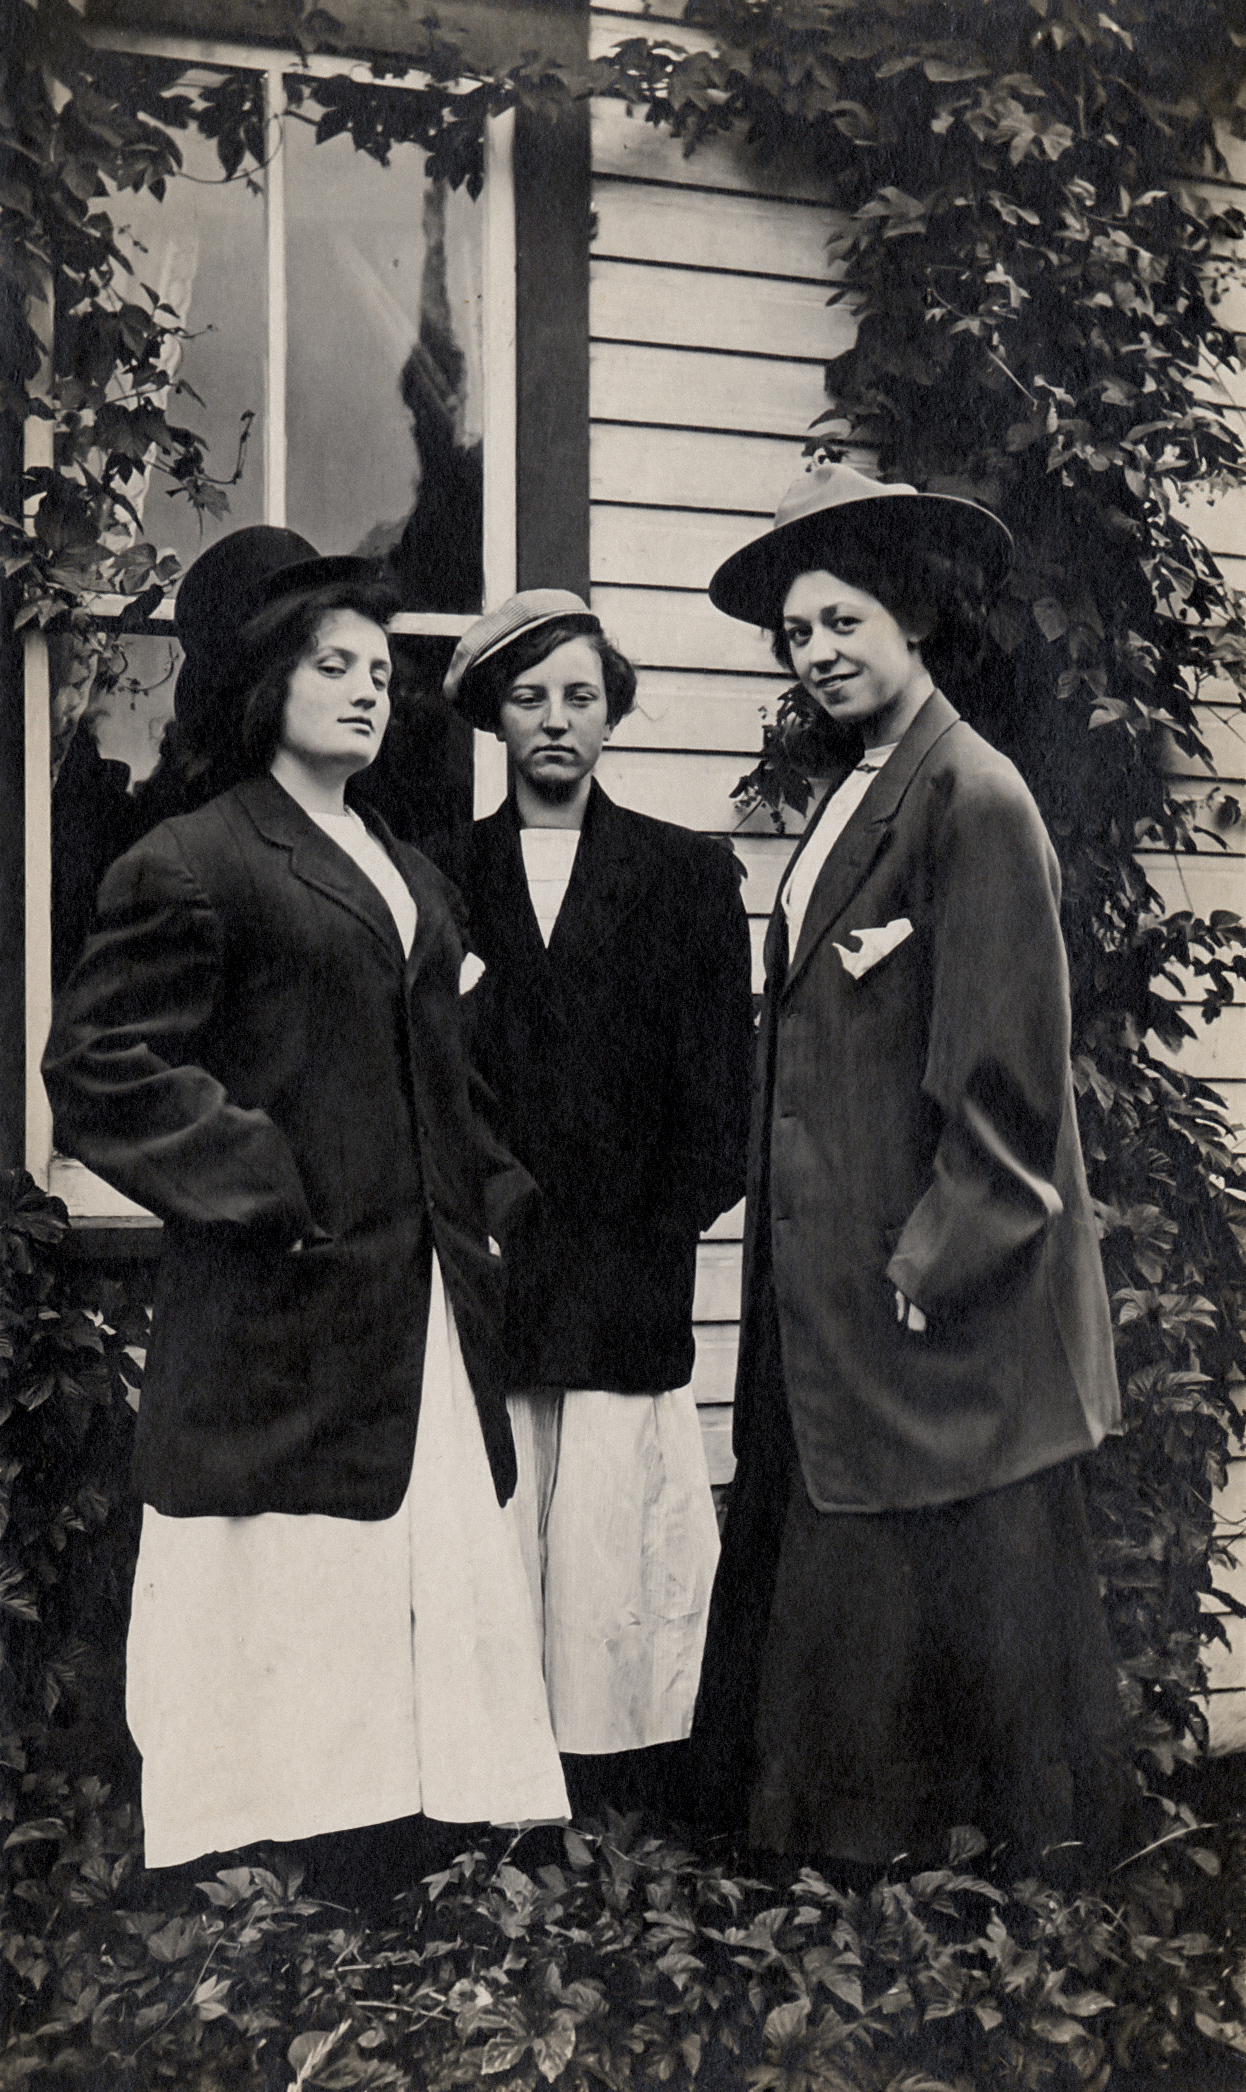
(908, 1314)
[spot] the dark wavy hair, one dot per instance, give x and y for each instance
(227, 716)
(493, 678)
(915, 583)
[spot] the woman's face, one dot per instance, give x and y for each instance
(555, 721)
(337, 703)
(853, 656)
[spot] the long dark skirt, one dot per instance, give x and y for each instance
(870, 1682)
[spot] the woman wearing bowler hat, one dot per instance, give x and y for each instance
(906, 1633)
(330, 1631)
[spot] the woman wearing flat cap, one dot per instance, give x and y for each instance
(906, 1633)
(614, 1023)
(330, 1632)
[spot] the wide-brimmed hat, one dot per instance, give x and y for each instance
(226, 588)
(499, 629)
(833, 508)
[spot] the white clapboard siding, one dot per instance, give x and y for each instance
(758, 315)
(694, 469)
(718, 1282)
(716, 1433)
(1215, 811)
(681, 709)
(626, 13)
(757, 927)
(692, 790)
(651, 547)
(667, 628)
(625, 144)
(765, 857)
(1199, 882)
(704, 388)
(609, 27)
(1222, 729)
(1226, 1668)
(1217, 1051)
(688, 227)
(1218, 518)
(713, 1375)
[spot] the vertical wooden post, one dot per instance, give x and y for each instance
(37, 807)
(500, 421)
(552, 220)
(275, 347)
(12, 854)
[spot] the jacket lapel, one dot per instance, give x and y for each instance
(611, 874)
(319, 863)
(424, 884)
(500, 886)
(868, 832)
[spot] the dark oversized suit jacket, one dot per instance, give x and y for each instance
(915, 1128)
(622, 1059)
(242, 1048)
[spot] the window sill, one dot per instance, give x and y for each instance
(102, 1222)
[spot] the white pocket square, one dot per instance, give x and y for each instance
(470, 972)
(875, 945)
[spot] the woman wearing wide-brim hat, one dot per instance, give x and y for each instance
(906, 1633)
(330, 1631)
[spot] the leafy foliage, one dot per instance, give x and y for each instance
(629, 1963)
(70, 1370)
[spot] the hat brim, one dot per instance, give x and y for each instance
(472, 700)
(752, 583)
(306, 575)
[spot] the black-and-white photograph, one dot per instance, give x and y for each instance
(623, 1045)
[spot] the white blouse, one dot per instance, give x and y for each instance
(548, 858)
(834, 817)
(374, 861)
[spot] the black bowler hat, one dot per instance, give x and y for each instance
(832, 508)
(228, 586)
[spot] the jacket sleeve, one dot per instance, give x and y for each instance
(704, 1165)
(128, 1095)
(997, 1066)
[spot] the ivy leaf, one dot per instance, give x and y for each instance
(502, 2053)
(40, 1830)
(553, 2050)
(1051, 618)
(174, 1941)
(785, 2023)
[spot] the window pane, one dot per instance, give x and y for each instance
(105, 751)
(384, 409)
(202, 252)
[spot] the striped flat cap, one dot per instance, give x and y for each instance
(498, 629)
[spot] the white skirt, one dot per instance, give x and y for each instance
(288, 1675)
(620, 1543)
